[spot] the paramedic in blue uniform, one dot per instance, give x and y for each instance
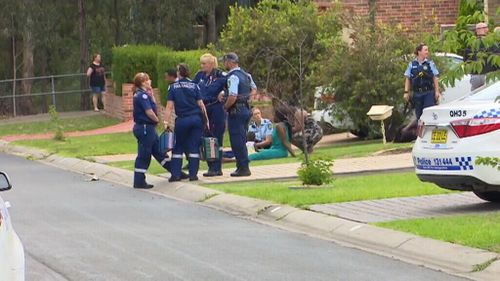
(239, 89)
(212, 82)
(184, 96)
(145, 118)
(262, 128)
(421, 77)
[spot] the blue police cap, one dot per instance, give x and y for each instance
(232, 57)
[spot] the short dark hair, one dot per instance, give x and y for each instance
(171, 72)
(183, 70)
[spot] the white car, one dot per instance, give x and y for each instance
(11, 248)
(453, 135)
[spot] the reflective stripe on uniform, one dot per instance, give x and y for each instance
(140, 170)
(194, 155)
(177, 156)
(165, 161)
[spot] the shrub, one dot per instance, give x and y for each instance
(56, 123)
(170, 59)
(130, 59)
(317, 172)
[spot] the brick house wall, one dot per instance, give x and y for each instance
(411, 14)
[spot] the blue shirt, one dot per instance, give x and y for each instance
(261, 132)
(233, 82)
(431, 64)
(185, 94)
(210, 85)
(142, 102)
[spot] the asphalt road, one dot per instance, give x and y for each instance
(73, 229)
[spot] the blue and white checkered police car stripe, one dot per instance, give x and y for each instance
(490, 113)
(465, 163)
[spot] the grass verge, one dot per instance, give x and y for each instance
(70, 125)
(479, 231)
(343, 189)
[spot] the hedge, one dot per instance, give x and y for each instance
(130, 59)
(170, 59)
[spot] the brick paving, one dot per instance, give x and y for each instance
(370, 211)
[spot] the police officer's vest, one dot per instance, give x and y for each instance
(421, 76)
(244, 86)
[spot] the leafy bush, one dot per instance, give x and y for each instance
(268, 37)
(170, 59)
(317, 172)
(367, 72)
(130, 59)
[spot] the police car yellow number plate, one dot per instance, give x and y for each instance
(439, 136)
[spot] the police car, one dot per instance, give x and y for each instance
(11, 248)
(453, 135)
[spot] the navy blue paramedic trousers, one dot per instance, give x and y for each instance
(188, 132)
(148, 144)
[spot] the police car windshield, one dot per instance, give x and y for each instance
(488, 93)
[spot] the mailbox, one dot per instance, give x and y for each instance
(380, 113)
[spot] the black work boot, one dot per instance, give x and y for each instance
(212, 173)
(241, 172)
(184, 175)
(144, 186)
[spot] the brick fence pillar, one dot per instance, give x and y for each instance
(127, 101)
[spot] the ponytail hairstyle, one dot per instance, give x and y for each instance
(139, 79)
(419, 48)
(209, 58)
(183, 70)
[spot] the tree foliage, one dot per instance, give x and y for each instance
(275, 37)
(368, 71)
(462, 39)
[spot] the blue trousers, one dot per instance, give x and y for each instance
(217, 123)
(188, 132)
(237, 122)
(148, 143)
(422, 100)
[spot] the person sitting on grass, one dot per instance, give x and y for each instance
(282, 134)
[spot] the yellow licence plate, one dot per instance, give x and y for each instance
(439, 136)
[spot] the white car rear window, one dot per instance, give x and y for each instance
(489, 93)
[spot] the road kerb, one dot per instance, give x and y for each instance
(451, 258)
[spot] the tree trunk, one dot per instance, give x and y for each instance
(116, 14)
(28, 70)
(211, 26)
(85, 97)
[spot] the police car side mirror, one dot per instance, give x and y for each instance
(4, 182)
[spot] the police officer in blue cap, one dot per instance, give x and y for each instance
(146, 118)
(212, 82)
(184, 96)
(239, 87)
(422, 75)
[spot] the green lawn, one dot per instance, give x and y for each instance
(343, 189)
(69, 125)
(478, 231)
(80, 147)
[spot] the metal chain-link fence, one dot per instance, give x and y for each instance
(34, 95)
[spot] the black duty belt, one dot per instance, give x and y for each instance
(422, 90)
